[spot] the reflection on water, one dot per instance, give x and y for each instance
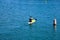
(54, 27)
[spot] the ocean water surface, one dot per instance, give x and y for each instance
(14, 16)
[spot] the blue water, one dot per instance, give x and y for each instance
(14, 15)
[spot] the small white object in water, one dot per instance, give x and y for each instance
(54, 21)
(33, 21)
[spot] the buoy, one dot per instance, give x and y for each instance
(54, 23)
